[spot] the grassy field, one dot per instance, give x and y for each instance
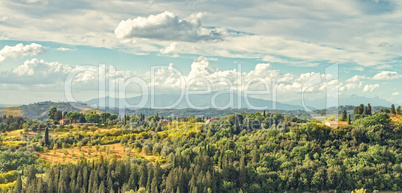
(15, 111)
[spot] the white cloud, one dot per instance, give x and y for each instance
(356, 78)
(20, 50)
(166, 26)
(370, 87)
(63, 49)
(395, 94)
(36, 72)
(2, 37)
(171, 49)
(3, 19)
(300, 38)
(166, 78)
(350, 86)
(44, 2)
(40, 72)
(387, 75)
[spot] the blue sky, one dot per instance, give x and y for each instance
(42, 41)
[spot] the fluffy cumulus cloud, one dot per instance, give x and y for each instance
(40, 72)
(387, 75)
(20, 50)
(203, 75)
(36, 72)
(370, 87)
(166, 26)
(171, 49)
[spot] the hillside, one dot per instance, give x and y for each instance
(40, 110)
(248, 152)
(205, 113)
(352, 100)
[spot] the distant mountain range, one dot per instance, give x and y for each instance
(183, 108)
(203, 100)
(354, 100)
(194, 101)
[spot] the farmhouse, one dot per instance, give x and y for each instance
(165, 122)
(335, 123)
(64, 121)
(208, 121)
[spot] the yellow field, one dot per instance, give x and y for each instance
(15, 111)
(87, 110)
(108, 151)
(396, 118)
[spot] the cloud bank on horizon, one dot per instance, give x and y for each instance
(279, 40)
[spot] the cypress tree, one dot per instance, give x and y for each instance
(62, 185)
(39, 188)
(85, 178)
(50, 183)
(393, 111)
(83, 190)
(102, 188)
(91, 181)
(132, 181)
(18, 185)
(31, 173)
(344, 116)
(109, 178)
(155, 180)
(150, 177)
(361, 109)
(79, 179)
(143, 176)
(242, 169)
(47, 142)
(365, 111)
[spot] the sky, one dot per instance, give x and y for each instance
(288, 48)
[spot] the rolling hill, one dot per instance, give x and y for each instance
(200, 101)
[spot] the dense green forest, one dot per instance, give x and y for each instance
(247, 152)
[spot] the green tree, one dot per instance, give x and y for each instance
(393, 111)
(143, 176)
(369, 109)
(344, 116)
(31, 173)
(47, 141)
(92, 118)
(102, 187)
(104, 117)
(58, 115)
(242, 169)
(73, 116)
(18, 185)
(51, 113)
